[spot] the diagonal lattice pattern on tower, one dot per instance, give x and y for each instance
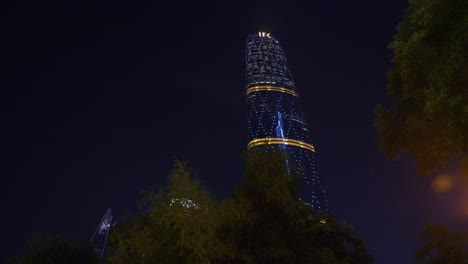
(274, 115)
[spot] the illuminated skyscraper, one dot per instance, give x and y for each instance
(99, 240)
(274, 114)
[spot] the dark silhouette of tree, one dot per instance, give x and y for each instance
(428, 84)
(56, 250)
(263, 221)
(178, 225)
(442, 246)
(277, 227)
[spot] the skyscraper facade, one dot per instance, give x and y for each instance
(274, 115)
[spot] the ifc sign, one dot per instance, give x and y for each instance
(264, 34)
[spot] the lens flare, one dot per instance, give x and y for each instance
(442, 183)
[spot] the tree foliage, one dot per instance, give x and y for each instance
(56, 250)
(179, 225)
(428, 84)
(263, 221)
(442, 246)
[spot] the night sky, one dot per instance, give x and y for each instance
(99, 96)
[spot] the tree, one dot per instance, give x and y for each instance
(280, 228)
(178, 225)
(442, 246)
(428, 84)
(56, 250)
(267, 233)
(263, 221)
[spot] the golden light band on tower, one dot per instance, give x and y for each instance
(271, 88)
(279, 141)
